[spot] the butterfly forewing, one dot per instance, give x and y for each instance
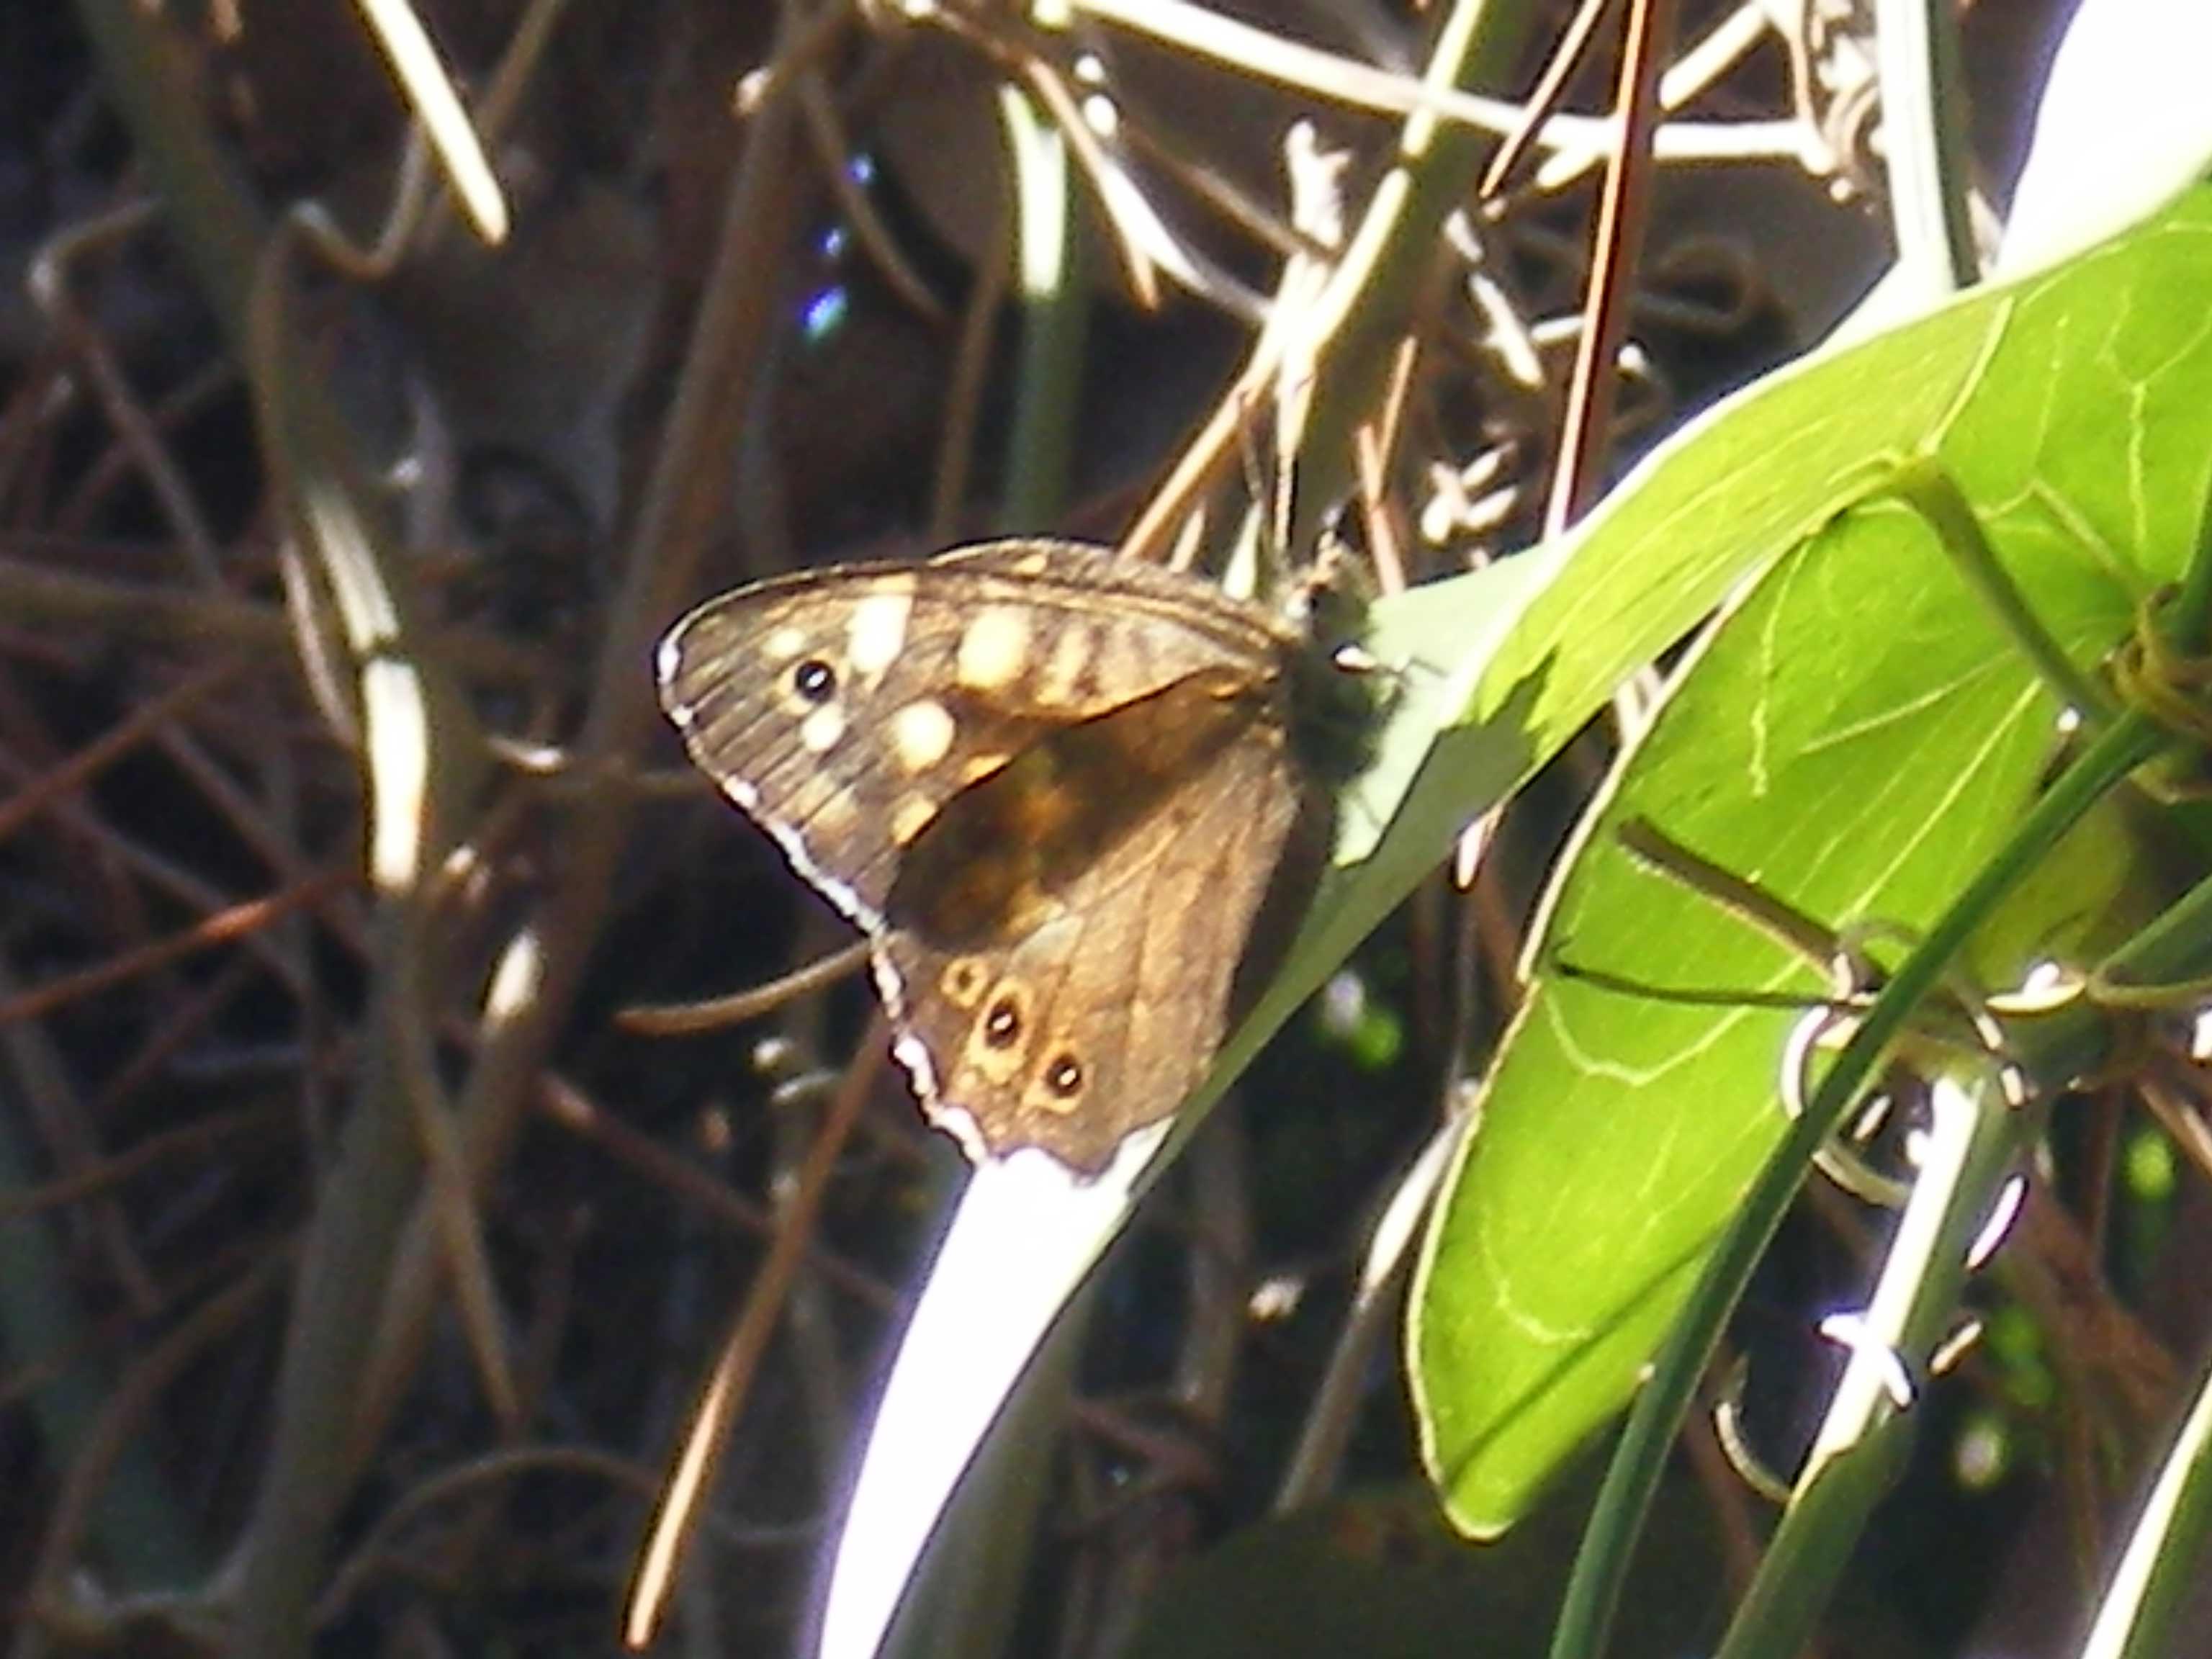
(843, 708)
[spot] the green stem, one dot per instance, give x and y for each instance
(2167, 962)
(2146, 1611)
(1056, 310)
(1930, 492)
(1975, 1142)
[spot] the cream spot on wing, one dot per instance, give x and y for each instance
(993, 650)
(979, 766)
(784, 644)
(910, 818)
(1033, 564)
(1063, 670)
(921, 735)
(877, 633)
(819, 733)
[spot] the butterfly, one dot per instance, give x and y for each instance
(1074, 802)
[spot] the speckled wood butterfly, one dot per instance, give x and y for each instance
(1075, 803)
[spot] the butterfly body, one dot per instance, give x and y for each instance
(1056, 790)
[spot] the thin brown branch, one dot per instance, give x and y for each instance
(226, 926)
(111, 746)
(731, 1383)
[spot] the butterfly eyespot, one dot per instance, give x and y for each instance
(1064, 1076)
(1003, 1024)
(815, 680)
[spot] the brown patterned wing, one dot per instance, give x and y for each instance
(844, 708)
(1082, 996)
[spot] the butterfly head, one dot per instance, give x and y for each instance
(1340, 694)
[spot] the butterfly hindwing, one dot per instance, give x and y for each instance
(1100, 1011)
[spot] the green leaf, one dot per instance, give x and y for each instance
(1857, 738)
